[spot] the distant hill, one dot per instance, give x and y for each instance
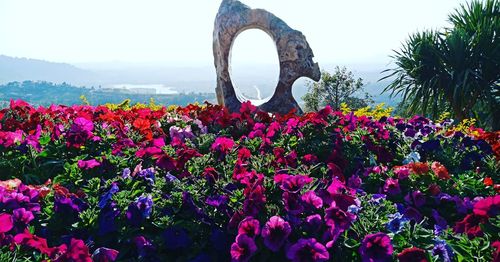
(21, 69)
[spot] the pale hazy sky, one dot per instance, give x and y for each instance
(180, 31)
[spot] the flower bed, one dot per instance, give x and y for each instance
(201, 184)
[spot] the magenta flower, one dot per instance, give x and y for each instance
(104, 255)
(223, 145)
(275, 232)
(337, 218)
(489, 206)
(80, 132)
(88, 164)
(376, 248)
(391, 186)
(307, 250)
(294, 184)
(5, 223)
(243, 249)
(249, 226)
(310, 198)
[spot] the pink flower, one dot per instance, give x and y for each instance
(249, 226)
(391, 186)
(88, 164)
(312, 199)
(402, 172)
(5, 223)
(243, 249)
(275, 232)
(223, 145)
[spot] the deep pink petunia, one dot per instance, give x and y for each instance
(88, 164)
(310, 198)
(5, 223)
(223, 145)
(489, 206)
(275, 232)
(249, 226)
(243, 249)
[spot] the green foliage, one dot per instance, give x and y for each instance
(334, 89)
(456, 69)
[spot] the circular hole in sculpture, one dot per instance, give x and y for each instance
(254, 66)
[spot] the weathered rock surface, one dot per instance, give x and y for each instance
(295, 55)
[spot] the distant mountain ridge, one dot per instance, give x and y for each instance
(21, 69)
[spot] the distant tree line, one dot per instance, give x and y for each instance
(47, 93)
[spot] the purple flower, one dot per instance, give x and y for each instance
(243, 249)
(376, 248)
(217, 201)
(144, 247)
(176, 238)
(139, 210)
(391, 186)
(307, 250)
(181, 133)
(354, 181)
(219, 240)
(442, 250)
(107, 197)
(103, 254)
(396, 223)
(249, 226)
(292, 203)
(107, 218)
(377, 198)
(21, 218)
(275, 232)
(313, 223)
(416, 198)
(69, 207)
(147, 174)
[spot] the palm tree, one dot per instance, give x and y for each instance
(457, 69)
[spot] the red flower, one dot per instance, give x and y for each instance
(440, 170)
(77, 252)
(413, 254)
(419, 168)
(35, 242)
(471, 225)
(488, 181)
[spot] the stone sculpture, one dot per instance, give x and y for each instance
(295, 55)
